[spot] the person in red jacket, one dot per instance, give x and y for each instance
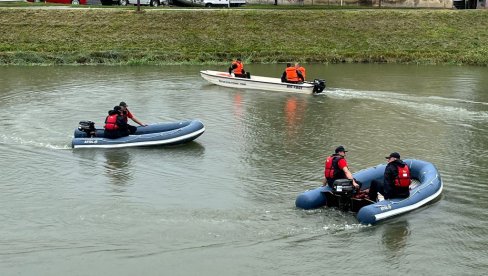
(336, 168)
(115, 124)
(127, 115)
(396, 180)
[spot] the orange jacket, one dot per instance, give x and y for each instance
(291, 74)
(238, 67)
(302, 70)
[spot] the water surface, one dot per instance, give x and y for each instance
(224, 204)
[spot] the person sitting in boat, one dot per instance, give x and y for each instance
(127, 114)
(292, 75)
(237, 67)
(396, 181)
(115, 124)
(336, 168)
(301, 70)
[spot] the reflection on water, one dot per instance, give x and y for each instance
(395, 236)
(294, 115)
(238, 106)
(236, 184)
(117, 167)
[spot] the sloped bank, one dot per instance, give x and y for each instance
(169, 36)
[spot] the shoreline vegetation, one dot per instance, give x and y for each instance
(164, 36)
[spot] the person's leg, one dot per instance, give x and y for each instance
(132, 129)
(373, 190)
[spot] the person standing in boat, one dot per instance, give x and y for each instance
(115, 124)
(237, 67)
(301, 69)
(336, 168)
(291, 75)
(396, 180)
(127, 114)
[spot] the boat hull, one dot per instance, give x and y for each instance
(172, 133)
(429, 188)
(256, 82)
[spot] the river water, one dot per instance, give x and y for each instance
(224, 204)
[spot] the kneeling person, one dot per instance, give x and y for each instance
(115, 124)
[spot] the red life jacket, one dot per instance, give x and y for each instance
(239, 68)
(291, 74)
(403, 180)
(111, 122)
(332, 170)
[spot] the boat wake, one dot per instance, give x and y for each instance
(4, 139)
(443, 108)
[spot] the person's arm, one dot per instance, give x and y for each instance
(232, 67)
(388, 181)
(349, 176)
(300, 76)
(283, 77)
(137, 121)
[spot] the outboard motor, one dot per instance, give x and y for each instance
(88, 127)
(343, 190)
(343, 187)
(318, 86)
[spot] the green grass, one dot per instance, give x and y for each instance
(170, 36)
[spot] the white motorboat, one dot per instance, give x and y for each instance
(262, 83)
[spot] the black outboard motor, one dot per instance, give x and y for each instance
(343, 189)
(318, 86)
(88, 127)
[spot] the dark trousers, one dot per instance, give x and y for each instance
(121, 132)
(375, 188)
(114, 134)
(132, 129)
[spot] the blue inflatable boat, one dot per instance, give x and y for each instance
(173, 133)
(426, 187)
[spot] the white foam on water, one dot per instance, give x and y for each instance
(447, 109)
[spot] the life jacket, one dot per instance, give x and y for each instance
(403, 180)
(302, 70)
(111, 122)
(239, 68)
(291, 74)
(332, 170)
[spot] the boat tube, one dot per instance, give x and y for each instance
(262, 83)
(172, 133)
(425, 188)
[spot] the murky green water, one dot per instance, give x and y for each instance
(224, 204)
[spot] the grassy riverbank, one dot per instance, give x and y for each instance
(169, 36)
